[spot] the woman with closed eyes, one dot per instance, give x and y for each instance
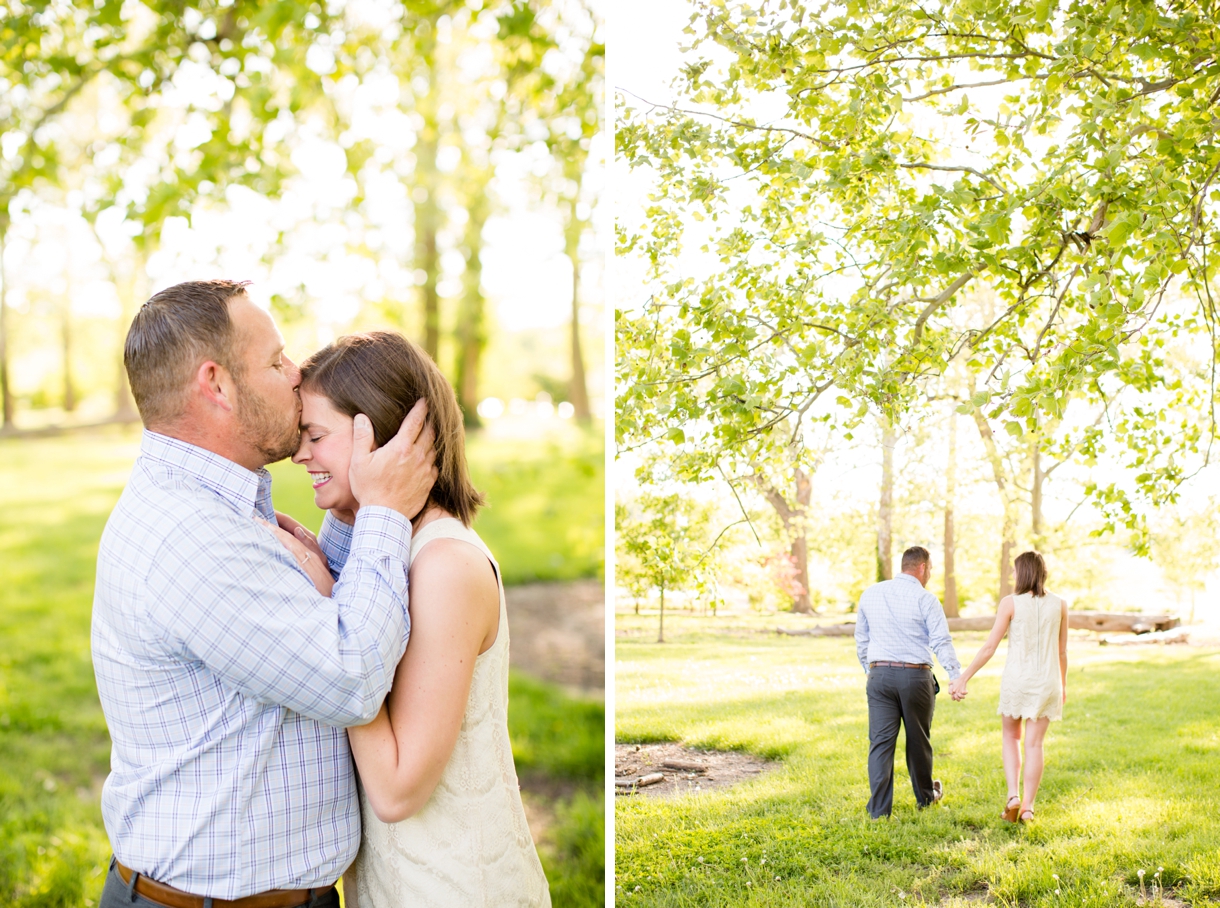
(443, 823)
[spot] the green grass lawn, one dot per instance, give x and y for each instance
(1132, 779)
(54, 748)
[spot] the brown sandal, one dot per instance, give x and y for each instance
(1011, 810)
(1027, 815)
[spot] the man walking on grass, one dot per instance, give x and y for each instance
(899, 624)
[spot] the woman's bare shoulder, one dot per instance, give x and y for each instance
(459, 564)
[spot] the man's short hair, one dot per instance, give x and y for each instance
(176, 330)
(914, 557)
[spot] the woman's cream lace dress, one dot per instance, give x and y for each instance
(470, 844)
(1030, 685)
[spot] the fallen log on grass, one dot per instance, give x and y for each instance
(1103, 622)
(1111, 623)
(981, 623)
(685, 765)
(651, 779)
(826, 630)
(1177, 635)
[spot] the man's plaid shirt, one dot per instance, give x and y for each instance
(899, 621)
(227, 679)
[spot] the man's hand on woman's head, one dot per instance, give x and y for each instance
(400, 474)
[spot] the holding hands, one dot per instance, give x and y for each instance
(957, 689)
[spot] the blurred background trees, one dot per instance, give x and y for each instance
(432, 166)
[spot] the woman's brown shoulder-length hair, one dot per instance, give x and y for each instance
(1031, 574)
(382, 374)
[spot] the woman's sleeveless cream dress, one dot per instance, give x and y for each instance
(470, 845)
(1030, 685)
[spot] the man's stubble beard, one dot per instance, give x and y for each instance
(274, 434)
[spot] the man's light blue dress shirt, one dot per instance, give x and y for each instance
(899, 621)
(227, 679)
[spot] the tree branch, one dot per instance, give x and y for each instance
(937, 302)
(954, 168)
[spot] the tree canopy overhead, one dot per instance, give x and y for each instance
(857, 170)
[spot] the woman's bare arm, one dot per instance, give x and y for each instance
(455, 609)
(1003, 617)
(1063, 650)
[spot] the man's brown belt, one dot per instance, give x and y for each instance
(901, 664)
(176, 898)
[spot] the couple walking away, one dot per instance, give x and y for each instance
(243, 664)
(899, 624)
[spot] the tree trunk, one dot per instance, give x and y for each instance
(472, 333)
(885, 508)
(793, 519)
(800, 543)
(1036, 494)
(124, 404)
(424, 184)
(577, 390)
(661, 634)
(65, 335)
(1008, 530)
(130, 301)
(6, 391)
(1006, 557)
(950, 600)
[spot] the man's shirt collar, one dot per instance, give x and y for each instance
(231, 481)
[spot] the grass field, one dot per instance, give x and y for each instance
(1131, 784)
(54, 748)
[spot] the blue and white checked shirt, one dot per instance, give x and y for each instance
(227, 679)
(899, 621)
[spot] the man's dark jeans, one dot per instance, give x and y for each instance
(117, 894)
(907, 697)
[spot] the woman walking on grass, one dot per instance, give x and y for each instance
(1033, 687)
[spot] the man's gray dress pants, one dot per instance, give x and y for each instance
(907, 697)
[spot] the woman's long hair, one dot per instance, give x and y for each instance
(382, 374)
(1031, 574)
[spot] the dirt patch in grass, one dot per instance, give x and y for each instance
(691, 770)
(559, 632)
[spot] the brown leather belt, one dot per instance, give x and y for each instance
(901, 665)
(176, 898)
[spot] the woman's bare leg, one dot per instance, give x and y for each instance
(1035, 732)
(1011, 749)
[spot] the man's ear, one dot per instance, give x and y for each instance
(215, 385)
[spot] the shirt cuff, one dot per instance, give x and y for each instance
(382, 531)
(338, 535)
